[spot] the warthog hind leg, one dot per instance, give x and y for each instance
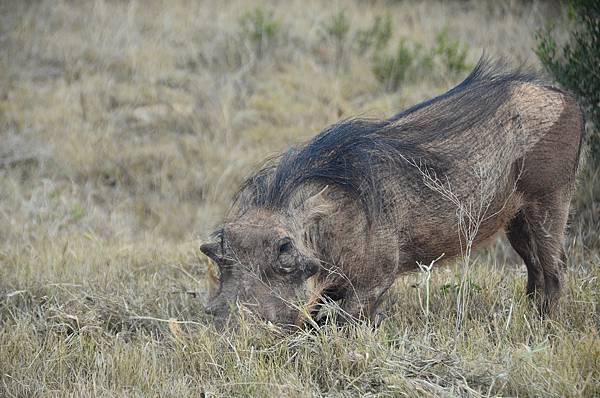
(537, 235)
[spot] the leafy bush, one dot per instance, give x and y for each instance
(261, 28)
(377, 36)
(338, 26)
(576, 64)
(336, 29)
(392, 70)
(410, 59)
(452, 53)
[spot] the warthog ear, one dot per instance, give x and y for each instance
(212, 251)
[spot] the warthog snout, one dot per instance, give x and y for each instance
(261, 265)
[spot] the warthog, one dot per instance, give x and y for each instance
(340, 217)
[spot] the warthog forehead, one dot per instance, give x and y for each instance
(254, 231)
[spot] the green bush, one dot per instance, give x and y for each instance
(393, 70)
(451, 52)
(377, 36)
(411, 59)
(576, 65)
(336, 29)
(261, 28)
(392, 67)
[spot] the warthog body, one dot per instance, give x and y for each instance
(364, 201)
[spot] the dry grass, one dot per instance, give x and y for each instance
(125, 127)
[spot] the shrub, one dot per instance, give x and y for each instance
(576, 64)
(377, 36)
(261, 28)
(451, 52)
(411, 59)
(393, 70)
(336, 29)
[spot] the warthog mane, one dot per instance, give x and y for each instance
(359, 155)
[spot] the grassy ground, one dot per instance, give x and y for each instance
(126, 127)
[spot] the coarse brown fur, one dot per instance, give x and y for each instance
(341, 216)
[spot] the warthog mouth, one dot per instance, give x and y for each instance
(322, 295)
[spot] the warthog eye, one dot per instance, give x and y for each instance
(285, 246)
(285, 257)
(291, 260)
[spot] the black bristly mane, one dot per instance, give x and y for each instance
(359, 155)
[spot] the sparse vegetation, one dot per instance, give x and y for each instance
(125, 128)
(452, 52)
(337, 28)
(377, 36)
(411, 59)
(408, 61)
(261, 28)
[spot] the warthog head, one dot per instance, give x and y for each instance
(263, 266)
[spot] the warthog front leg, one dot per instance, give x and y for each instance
(361, 303)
